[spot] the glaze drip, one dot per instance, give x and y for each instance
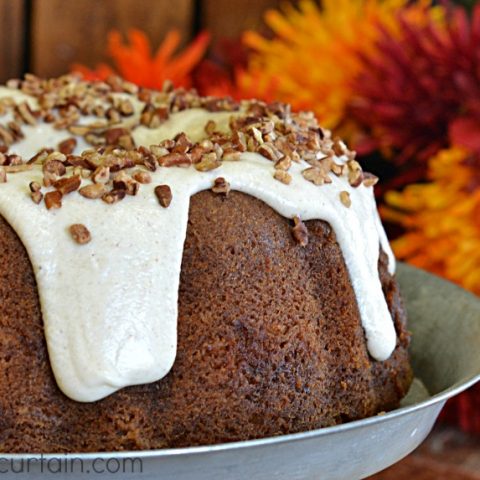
(110, 307)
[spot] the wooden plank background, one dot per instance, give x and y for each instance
(13, 22)
(47, 36)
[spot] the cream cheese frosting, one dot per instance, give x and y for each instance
(110, 307)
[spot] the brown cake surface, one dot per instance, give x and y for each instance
(269, 342)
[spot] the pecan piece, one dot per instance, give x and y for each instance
(67, 146)
(101, 175)
(282, 176)
(114, 196)
(142, 177)
(345, 198)
(34, 187)
(208, 162)
(53, 200)
(68, 184)
(369, 180)
(80, 233)
(25, 113)
(316, 176)
(164, 195)
(220, 185)
(36, 196)
(123, 181)
(175, 160)
(93, 191)
(300, 232)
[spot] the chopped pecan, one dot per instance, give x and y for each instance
(175, 160)
(80, 233)
(300, 232)
(25, 113)
(220, 185)
(54, 166)
(93, 191)
(284, 163)
(34, 186)
(68, 184)
(101, 174)
(36, 197)
(369, 180)
(182, 143)
(210, 127)
(152, 116)
(164, 195)
(113, 196)
(282, 176)
(142, 177)
(123, 181)
(113, 135)
(53, 200)
(345, 198)
(67, 146)
(208, 162)
(316, 175)
(6, 136)
(80, 130)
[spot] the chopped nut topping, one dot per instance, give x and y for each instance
(142, 177)
(36, 196)
(53, 200)
(93, 191)
(175, 159)
(271, 130)
(101, 175)
(282, 176)
(220, 185)
(80, 233)
(68, 184)
(114, 196)
(123, 181)
(164, 195)
(208, 162)
(67, 146)
(210, 127)
(300, 232)
(34, 187)
(369, 180)
(355, 174)
(25, 113)
(316, 176)
(345, 198)
(284, 163)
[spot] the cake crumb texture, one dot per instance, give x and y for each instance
(269, 342)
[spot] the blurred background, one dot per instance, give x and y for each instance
(47, 36)
(398, 79)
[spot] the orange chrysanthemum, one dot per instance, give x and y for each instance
(442, 218)
(135, 62)
(314, 55)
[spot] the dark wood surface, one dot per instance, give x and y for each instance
(228, 19)
(13, 24)
(81, 28)
(47, 36)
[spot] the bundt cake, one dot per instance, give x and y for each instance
(180, 270)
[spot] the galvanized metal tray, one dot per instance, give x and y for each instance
(445, 322)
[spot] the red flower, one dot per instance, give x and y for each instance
(420, 90)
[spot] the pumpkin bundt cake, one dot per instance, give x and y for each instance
(180, 270)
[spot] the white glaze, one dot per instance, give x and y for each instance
(110, 307)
